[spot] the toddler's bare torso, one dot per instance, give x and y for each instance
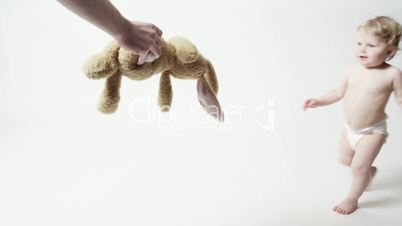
(366, 95)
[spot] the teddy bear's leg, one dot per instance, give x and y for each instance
(210, 76)
(104, 64)
(109, 100)
(208, 100)
(165, 91)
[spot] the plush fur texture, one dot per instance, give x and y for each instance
(179, 59)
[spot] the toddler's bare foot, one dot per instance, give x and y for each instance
(346, 207)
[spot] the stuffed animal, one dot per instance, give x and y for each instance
(179, 59)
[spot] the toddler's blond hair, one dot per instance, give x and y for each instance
(386, 28)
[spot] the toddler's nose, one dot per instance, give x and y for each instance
(363, 48)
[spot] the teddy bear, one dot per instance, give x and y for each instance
(179, 59)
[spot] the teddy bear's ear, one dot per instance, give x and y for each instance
(104, 64)
(208, 100)
(185, 50)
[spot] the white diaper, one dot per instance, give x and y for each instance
(354, 136)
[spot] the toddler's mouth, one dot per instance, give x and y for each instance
(363, 57)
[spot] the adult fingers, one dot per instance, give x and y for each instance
(141, 57)
(155, 51)
(158, 31)
(159, 42)
(150, 57)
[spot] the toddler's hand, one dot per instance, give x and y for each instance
(310, 103)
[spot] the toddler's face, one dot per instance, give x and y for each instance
(371, 51)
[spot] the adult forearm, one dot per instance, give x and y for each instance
(100, 13)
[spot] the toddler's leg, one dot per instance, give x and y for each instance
(346, 152)
(362, 170)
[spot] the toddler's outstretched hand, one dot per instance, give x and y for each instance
(310, 103)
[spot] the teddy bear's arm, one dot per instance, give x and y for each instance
(165, 91)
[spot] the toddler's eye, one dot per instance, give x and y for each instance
(359, 43)
(371, 45)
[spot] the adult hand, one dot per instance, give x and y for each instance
(143, 39)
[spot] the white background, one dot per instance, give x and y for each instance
(64, 163)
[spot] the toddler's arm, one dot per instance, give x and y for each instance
(331, 97)
(397, 86)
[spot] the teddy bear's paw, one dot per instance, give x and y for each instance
(164, 108)
(108, 105)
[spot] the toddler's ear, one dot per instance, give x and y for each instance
(391, 52)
